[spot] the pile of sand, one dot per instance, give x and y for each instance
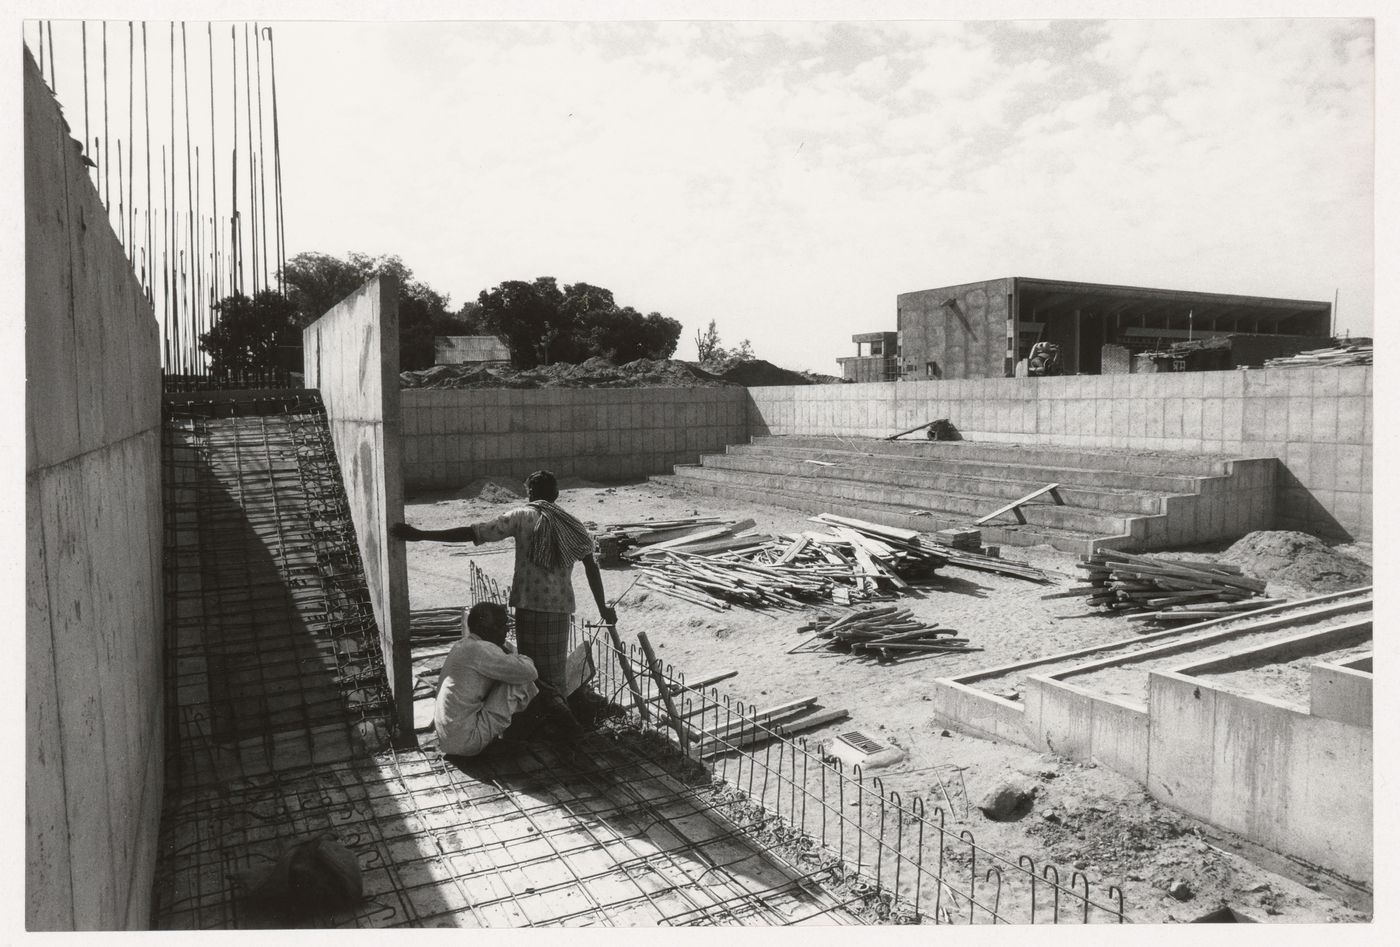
(492, 490)
(598, 372)
(1297, 560)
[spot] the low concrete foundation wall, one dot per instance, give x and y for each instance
(1317, 421)
(1290, 780)
(352, 358)
(94, 727)
(452, 437)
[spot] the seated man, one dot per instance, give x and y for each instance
(485, 687)
(483, 684)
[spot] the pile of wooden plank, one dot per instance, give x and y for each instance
(908, 542)
(886, 631)
(1166, 590)
(695, 534)
(1355, 354)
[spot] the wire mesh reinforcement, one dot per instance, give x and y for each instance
(272, 656)
(899, 852)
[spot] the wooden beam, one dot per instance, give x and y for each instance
(1015, 506)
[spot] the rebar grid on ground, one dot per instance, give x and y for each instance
(897, 853)
(275, 687)
(272, 654)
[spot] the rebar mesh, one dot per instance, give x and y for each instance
(896, 853)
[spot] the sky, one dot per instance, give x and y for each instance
(789, 179)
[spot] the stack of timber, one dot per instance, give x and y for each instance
(1166, 590)
(885, 631)
(695, 534)
(1354, 354)
(908, 542)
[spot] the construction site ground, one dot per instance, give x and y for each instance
(1084, 817)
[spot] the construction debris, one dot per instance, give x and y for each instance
(1357, 353)
(1165, 590)
(908, 541)
(886, 631)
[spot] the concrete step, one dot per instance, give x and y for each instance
(1128, 461)
(964, 508)
(1023, 468)
(911, 475)
(1069, 540)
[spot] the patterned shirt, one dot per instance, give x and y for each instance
(535, 588)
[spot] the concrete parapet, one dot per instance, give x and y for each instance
(352, 358)
(452, 437)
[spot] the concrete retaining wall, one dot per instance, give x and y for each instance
(1317, 421)
(452, 437)
(94, 726)
(352, 358)
(1292, 781)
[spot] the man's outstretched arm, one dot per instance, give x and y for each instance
(595, 583)
(412, 534)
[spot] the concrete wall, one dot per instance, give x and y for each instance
(1317, 421)
(93, 724)
(966, 338)
(352, 358)
(1292, 781)
(452, 437)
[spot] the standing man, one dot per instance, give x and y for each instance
(548, 541)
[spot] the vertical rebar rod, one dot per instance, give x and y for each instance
(86, 143)
(277, 168)
(236, 269)
(252, 170)
(192, 314)
(214, 163)
(106, 130)
(262, 160)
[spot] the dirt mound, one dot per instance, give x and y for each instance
(1297, 560)
(492, 490)
(758, 373)
(597, 372)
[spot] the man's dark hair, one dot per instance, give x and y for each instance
(479, 622)
(541, 485)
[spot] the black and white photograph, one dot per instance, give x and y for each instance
(626, 465)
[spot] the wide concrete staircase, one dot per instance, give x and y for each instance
(1112, 498)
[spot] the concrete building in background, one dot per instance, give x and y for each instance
(880, 363)
(982, 330)
(480, 351)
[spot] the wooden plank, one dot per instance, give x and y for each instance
(654, 666)
(1050, 488)
(865, 526)
(627, 673)
(807, 723)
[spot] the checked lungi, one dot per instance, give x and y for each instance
(544, 638)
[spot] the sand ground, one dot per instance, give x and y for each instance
(1084, 817)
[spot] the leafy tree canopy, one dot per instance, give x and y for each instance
(710, 353)
(317, 281)
(541, 323)
(248, 333)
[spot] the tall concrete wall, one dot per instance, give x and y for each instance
(352, 358)
(1317, 421)
(453, 437)
(960, 328)
(93, 723)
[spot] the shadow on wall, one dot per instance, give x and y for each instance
(1299, 509)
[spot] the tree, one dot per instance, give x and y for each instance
(540, 323)
(249, 333)
(317, 281)
(706, 344)
(709, 351)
